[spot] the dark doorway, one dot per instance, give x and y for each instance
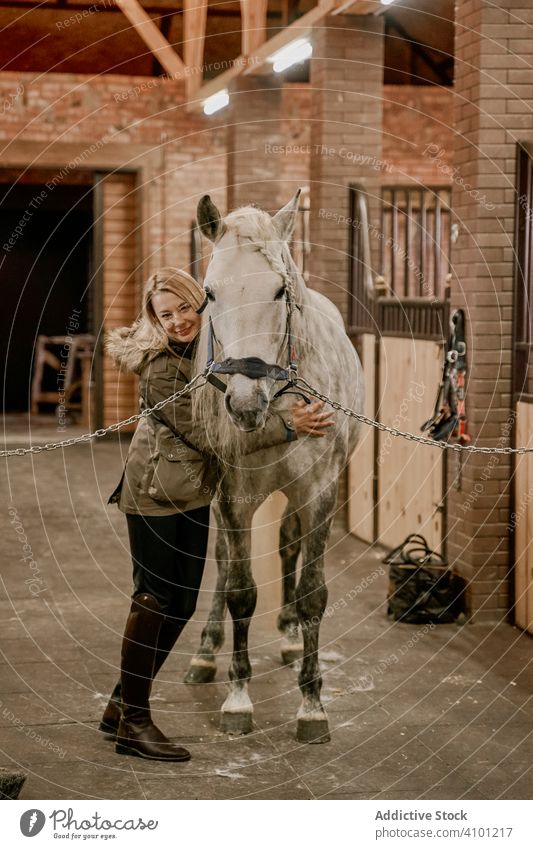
(45, 270)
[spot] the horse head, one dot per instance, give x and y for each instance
(250, 295)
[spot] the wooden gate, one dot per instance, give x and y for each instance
(521, 520)
(396, 487)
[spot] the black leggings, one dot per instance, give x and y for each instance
(168, 554)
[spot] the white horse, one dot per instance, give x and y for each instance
(262, 322)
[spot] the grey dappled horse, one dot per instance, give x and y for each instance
(260, 317)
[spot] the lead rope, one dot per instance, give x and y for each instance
(394, 431)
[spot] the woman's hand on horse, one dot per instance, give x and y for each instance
(309, 420)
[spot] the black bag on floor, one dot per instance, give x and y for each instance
(422, 589)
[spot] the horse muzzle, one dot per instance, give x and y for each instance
(246, 402)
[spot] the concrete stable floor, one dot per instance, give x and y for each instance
(415, 712)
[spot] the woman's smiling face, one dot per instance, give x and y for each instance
(178, 318)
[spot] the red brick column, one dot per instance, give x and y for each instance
(346, 122)
(255, 141)
(494, 84)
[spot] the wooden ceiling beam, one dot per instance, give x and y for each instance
(103, 8)
(152, 37)
(361, 7)
(165, 27)
(300, 28)
(194, 26)
(252, 63)
(289, 12)
(254, 25)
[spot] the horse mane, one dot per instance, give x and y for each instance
(220, 436)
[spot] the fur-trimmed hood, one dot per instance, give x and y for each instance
(128, 350)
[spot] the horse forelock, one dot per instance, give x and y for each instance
(250, 222)
(257, 226)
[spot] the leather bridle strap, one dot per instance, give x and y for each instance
(254, 367)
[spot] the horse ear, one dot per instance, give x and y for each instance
(285, 219)
(208, 216)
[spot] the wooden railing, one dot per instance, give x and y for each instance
(409, 295)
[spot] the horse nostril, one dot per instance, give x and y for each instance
(227, 400)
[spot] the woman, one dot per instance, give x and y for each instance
(165, 491)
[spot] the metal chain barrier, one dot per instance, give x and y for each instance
(97, 434)
(471, 449)
(394, 431)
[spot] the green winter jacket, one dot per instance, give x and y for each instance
(165, 473)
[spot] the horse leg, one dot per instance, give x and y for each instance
(203, 667)
(289, 549)
(241, 597)
(311, 599)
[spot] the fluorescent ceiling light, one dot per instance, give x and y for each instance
(216, 101)
(294, 52)
(386, 2)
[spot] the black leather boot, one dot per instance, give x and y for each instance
(137, 735)
(111, 715)
(168, 635)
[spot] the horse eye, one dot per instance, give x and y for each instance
(279, 294)
(209, 295)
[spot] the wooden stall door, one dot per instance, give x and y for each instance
(361, 466)
(522, 516)
(410, 475)
(116, 223)
(523, 520)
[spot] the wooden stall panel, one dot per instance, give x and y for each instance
(410, 475)
(525, 506)
(523, 520)
(266, 562)
(361, 466)
(120, 295)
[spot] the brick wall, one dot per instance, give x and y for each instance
(185, 158)
(406, 158)
(296, 131)
(417, 142)
(192, 150)
(425, 156)
(494, 83)
(189, 151)
(255, 140)
(346, 82)
(268, 141)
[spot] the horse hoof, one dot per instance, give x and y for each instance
(233, 722)
(313, 731)
(201, 672)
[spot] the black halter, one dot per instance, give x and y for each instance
(254, 367)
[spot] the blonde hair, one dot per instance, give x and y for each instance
(147, 334)
(172, 280)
